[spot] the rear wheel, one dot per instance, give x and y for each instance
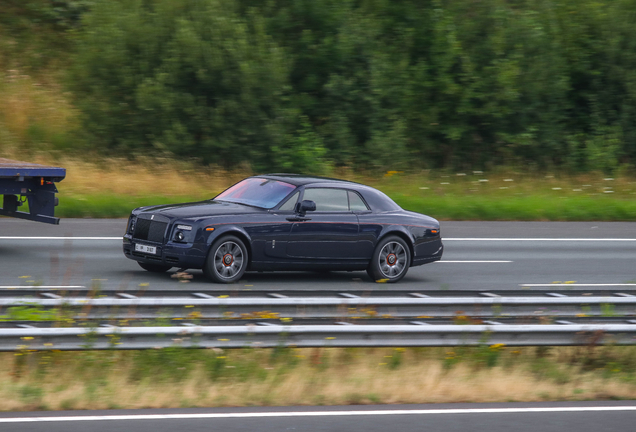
(227, 260)
(155, 268)
(391, 260)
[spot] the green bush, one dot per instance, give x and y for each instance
(192, 78)
(306, 84)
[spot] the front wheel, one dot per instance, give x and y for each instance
(155, 268)
(227, 260)
(391, 260)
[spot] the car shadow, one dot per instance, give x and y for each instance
(308, 279)
(294, 280)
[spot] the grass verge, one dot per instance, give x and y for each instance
(514, 195)
(177, 377)
(111, 188)
(115, 187)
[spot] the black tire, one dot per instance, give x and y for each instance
(155, 268)
(227, 260)
(391, 260)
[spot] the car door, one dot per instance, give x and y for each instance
(330, 232)
(274, 236)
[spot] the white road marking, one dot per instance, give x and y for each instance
(41, 287)
(473, 262)
(314, 414)
(541, 239)
(577, 285)
(59, 238)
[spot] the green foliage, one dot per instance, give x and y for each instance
(484, 355)
(543, 368)
(607, 310)
(396, 358)
(164, 364)
(307, 84)
(193, 79)
(176, 364)
(28, 312)
(30, 38)
(488, 355)
(31, 395)
(63, 13)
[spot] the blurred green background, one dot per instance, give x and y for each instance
(333, 87)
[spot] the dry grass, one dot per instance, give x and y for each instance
(92, 380)
(142, 177)
(94, 174)
(110, 187)
(134, 178)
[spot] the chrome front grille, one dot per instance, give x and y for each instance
(151, 230)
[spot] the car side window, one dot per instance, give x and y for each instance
(328, 200)
(290, 203)
(356, 203)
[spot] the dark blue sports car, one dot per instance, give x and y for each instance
(284, 222)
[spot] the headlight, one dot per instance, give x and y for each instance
(131, 225)
(182, 233)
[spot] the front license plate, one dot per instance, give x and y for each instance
(146, 249)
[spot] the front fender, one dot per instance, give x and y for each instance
(220, 231)
(228, 229)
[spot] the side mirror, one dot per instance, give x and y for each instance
(304, 206)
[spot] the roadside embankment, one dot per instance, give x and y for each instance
(113, 187)
(177, 377)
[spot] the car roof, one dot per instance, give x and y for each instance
(300, 180)
(377, 200)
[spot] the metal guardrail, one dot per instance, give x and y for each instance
(459, 320)
(318, 307)
(376, 322)
(364, 290)
(312, 336)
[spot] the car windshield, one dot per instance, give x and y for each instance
(257, 192)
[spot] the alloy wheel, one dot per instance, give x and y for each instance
(392, 259)
(228, 260)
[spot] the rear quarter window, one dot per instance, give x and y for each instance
(356, 203)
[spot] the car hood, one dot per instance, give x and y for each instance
(199, 209)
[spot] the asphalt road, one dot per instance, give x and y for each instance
(544, 417)
(478, 255)
(506, 255)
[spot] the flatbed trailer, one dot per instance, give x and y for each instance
(22, 182)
